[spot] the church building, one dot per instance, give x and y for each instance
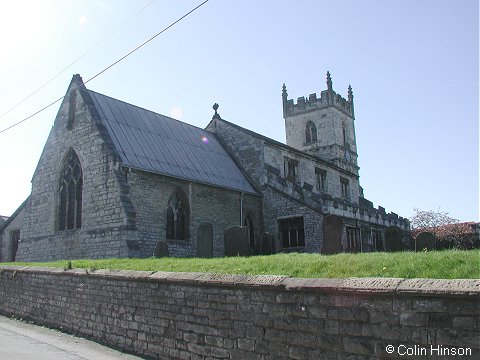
(117, 180)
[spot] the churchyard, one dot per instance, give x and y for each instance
(445, 264)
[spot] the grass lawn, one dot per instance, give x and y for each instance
(448, 264)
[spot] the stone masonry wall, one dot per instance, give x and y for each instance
(329, 122)
(106, 214)
(279, 206)
(219, 207)
(205, 316)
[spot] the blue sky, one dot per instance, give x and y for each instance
(413, 66)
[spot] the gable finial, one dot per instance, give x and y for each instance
(329, 81)
(216, 115)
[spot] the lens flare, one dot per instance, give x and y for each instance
(204, 139)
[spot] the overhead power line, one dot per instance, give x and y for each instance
(110, 66)
(76, 60)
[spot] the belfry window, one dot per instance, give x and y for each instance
(177, 216)
(70, 193)
(310, 133)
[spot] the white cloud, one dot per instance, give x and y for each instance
(82, 20)
(176, 112)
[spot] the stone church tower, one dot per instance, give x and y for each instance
(323, 127)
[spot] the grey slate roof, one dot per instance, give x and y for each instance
(156, 143)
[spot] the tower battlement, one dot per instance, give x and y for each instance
(327, 98)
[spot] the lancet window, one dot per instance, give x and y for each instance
(70, 193)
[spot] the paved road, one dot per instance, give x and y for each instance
(22, 341)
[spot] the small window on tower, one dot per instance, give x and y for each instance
(310, 133)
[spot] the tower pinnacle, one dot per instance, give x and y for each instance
(350, 100)
(284, 99)
(350, 93)
(329, 82)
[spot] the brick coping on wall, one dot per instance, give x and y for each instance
(417, 287)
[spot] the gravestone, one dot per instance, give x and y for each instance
(236, 241)
(161, 250)
(425, 241)
(332, 235)
(268, 241)
(205, 240)
(393, 239)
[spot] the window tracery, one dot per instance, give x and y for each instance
(177, 216)
(70, 191)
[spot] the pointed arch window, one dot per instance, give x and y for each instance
(70, 192)
(310, 132)
(177, 216)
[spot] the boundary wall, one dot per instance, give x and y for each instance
(160, 315)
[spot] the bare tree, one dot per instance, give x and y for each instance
(430, 219)
(448, 232)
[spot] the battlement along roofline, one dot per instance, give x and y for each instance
(327, 99)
